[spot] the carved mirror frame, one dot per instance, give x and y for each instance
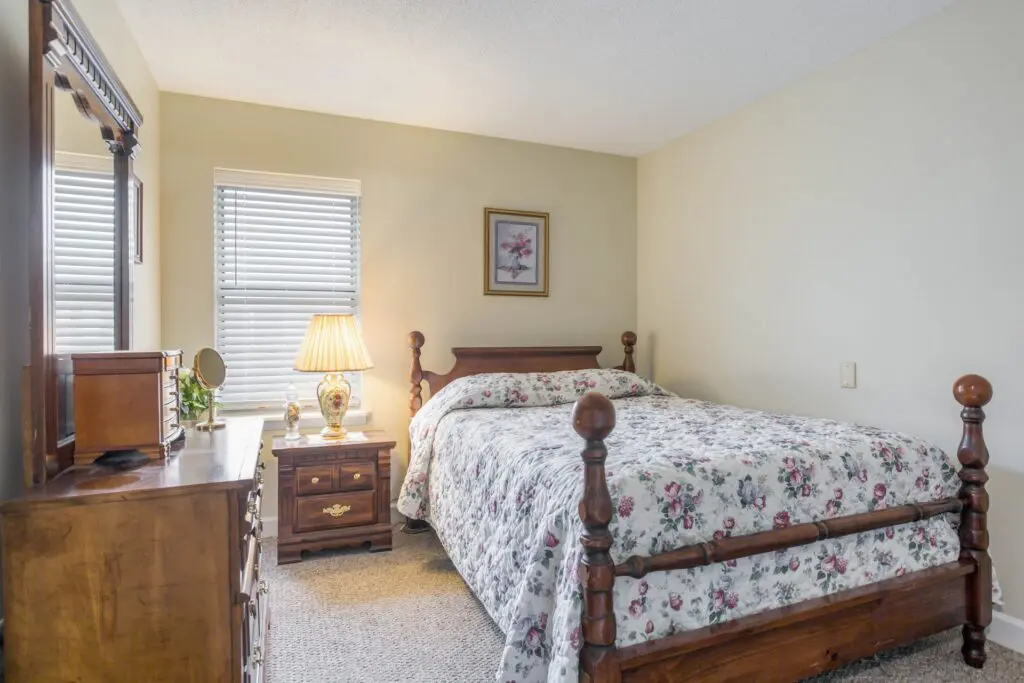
(64, 56)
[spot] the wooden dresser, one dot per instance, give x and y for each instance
(148, 574)
(333, 493)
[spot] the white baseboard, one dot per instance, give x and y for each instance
(270, 527)
(1007, 631)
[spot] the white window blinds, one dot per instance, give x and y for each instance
(83, 260)
(287, 247)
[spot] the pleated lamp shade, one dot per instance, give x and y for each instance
(333, 343)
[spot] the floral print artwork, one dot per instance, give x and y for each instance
(495, 467)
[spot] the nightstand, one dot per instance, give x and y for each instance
(333, 493)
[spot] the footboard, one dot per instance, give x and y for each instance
(821, 634)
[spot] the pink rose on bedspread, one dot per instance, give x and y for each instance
(920, 533)
(649, 629)
(719, 535)
(794, 563)
(880, 491)
(759, 503)
(831, 508)
(672, 490)
(643, 588)
(719, 598)
(676, 507)
(829, 563)
(636, 608)
(687, 521)
(889, 532)
(790, 462)
(731, 563)
(920, 483)
(806, 491)
(932, 540)
(487, 393)
(841, 565)
(542, 619)
(795, 476)
(900, 571)
(533, 638)
(625, 506)
(732, 600)
(862, 476)
(574, 638)
(781, 520)
(838, 494)
(550, 540)
(674, 601)
(729, 522)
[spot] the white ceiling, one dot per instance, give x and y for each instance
(621, 76)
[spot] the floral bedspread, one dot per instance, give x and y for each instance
(495, 466)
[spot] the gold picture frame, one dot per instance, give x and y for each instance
(516, 252)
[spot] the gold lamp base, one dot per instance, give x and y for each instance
(333, 393)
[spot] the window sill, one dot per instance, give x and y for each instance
(273, 420)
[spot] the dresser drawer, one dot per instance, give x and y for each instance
(357, 476)
(335, 510)
(314, 479)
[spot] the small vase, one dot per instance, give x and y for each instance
(292, 413)
(189, 425)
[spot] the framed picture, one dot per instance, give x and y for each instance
(135, 216)
(515, 252)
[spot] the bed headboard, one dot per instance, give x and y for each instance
(473, 360)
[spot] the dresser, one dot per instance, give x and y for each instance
(144, 574)
(333, 493)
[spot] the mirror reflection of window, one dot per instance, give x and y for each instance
(83, 253)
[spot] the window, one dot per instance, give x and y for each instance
(83, 253)
(286, 247)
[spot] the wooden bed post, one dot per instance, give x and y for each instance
(973, 392)
(415, 373)
(593, 418)
(628, 344)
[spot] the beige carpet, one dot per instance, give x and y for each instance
(406, 616)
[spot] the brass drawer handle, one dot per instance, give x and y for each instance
(337, 510)
(314, 480)
(356, 476)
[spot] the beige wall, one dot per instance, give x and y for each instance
(424, 192)
(871, 213)
(76, 134)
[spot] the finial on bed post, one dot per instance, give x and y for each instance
(416, 373)
(973, 392)
(593, 418)
(628, 343)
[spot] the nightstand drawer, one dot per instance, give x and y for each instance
(334, 511)
(313, 479)
(357, 476)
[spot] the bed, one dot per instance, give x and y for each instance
(696, 541)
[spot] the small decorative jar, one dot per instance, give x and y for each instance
(292, 413)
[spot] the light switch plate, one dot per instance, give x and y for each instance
(848, 375)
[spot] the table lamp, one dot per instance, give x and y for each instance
(333, 344)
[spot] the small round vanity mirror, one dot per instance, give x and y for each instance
(211, 372)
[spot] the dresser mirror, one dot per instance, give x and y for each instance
(210, 370)
(83, 137)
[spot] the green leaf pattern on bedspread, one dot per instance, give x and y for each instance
(495, 466)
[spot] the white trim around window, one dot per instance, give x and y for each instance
(286, 248)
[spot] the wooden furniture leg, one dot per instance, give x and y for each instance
(973, 392)
(593, 418)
